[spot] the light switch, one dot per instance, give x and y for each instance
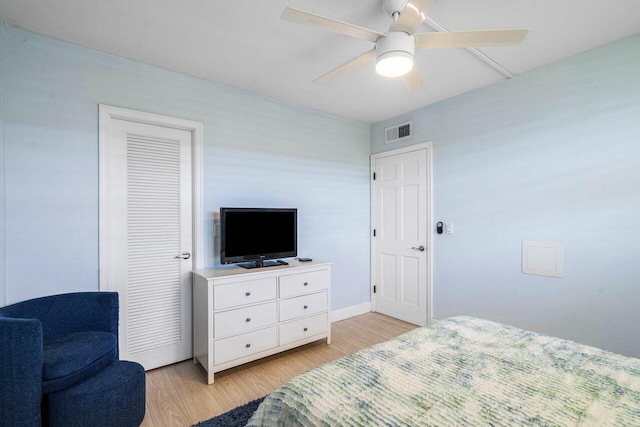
(449, 227)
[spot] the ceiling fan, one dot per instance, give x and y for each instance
(394, 50)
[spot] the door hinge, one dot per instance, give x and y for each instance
(374, 176)
(374, 289)
(374, 232)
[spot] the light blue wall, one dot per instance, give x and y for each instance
(258, 152)
(552, 155)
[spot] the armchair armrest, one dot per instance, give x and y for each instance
(73, 312)
(21, 371)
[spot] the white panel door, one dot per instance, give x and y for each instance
(400, 243)
(150, 240)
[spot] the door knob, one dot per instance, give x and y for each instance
(419, 248)
(185, 255)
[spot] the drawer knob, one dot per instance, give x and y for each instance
(248, 345)
(248, 319)
(247, 293)
(306, 306)
(305, 329)
(306, 283)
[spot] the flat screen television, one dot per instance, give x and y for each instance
(252, 236)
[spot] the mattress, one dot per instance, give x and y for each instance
(463, 371)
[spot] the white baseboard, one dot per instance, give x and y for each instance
(347, 312)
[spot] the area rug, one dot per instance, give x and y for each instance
(237, 417)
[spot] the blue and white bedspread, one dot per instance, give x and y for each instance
(463, 372)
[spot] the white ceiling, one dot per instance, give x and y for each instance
(245, 44)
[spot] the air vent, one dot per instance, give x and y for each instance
(396, 133)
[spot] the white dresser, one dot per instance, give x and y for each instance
(242, 315)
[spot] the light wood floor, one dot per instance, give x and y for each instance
(178, 395)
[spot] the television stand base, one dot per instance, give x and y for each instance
(260, 264)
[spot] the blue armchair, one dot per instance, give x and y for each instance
(59, 362)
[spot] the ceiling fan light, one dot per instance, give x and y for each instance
(394, 64)
(394, 54)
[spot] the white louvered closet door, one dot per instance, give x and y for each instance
(151, 241)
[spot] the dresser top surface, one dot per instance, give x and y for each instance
(234, 270)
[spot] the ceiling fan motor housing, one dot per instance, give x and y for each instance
(396, 45)
(395, 41)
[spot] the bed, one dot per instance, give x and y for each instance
(458, 372)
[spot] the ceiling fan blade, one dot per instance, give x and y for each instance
(413, 79)
(302, 17)
(356, 62)
(412, 16)
(455, 39)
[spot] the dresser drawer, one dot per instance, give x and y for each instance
(244, 319)
(241, 293)
(303, 306)
(232, 348)
(304, 283)
(303, 328)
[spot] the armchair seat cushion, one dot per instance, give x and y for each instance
(115, 397)
(70, 358)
